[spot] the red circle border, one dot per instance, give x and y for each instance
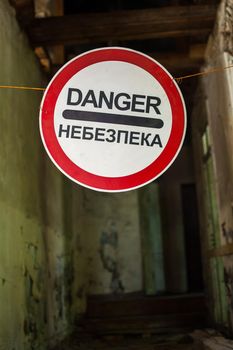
(112, 184)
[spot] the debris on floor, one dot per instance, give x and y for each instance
(208, 339)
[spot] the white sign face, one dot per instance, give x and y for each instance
(112, 119)
(96, 92)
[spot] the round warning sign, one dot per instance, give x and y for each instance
(112, 119)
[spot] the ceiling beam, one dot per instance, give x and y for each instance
(174, 21)
(25, 11)
(178, 64)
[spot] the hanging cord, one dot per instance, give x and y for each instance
(206, 72)
(21, 87)
(179, 80)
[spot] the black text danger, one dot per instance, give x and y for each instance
(121, 101)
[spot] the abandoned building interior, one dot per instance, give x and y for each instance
(138, 267)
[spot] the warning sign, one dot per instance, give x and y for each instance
(112, 119)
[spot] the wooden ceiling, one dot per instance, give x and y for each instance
(141, 24)
(174, 32)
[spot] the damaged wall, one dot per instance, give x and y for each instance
(37, 234)
(180, 173)
(162, 228)
(213, 144)
(111, 244)
(58, 242)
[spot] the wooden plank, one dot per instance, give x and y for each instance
(176, 63)
(178, 21)
(102, 307)
(57, 52)
(221, 251)
(197, 51)
(177, 60)
(24, 11)
(137, 325)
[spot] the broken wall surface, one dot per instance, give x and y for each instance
(162, 228)
(213, 135)
(110, 243)
(37, 206)
(180, 173)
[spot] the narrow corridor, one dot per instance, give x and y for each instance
(137, 270)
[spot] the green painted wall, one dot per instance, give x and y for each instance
(152, 239)
(58, 242)
(110, 243)
(213, 143)
(37, 206)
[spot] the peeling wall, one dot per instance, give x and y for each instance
(58, 242)
(111, 243)
(152, 239)
(214, 170)
(37, 206)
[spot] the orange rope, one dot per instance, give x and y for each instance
(178, 79)
(21, 87)
(213, 70)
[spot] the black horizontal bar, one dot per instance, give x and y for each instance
(112, 118)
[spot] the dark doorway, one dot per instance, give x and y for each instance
(192, 237)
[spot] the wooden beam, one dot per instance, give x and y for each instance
(25, 11)
(197, 51)
(221, 251)
(178, 63)
(174, 21)
(57, 52)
